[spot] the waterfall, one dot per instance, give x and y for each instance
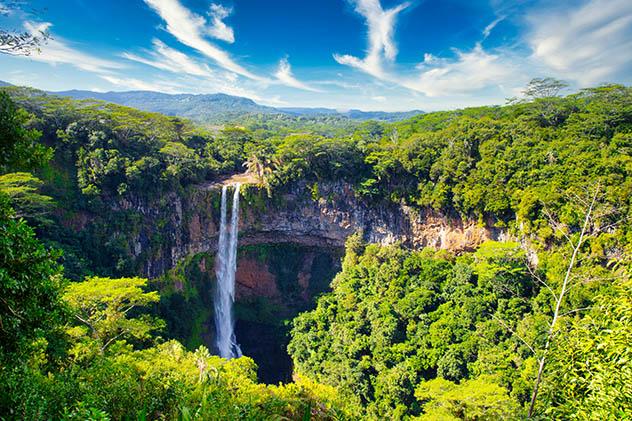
(226, 265)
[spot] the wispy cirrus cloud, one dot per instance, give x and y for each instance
(192, 76)
(190, 29)
(4, 9)
(337, 83)
(381, 28)
(592, 45)
(286, 77)
(140, 85)
(183, 85)
(489, 28)
(166, 58)
(219, 29)
(59, 51)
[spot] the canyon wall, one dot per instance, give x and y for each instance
(322, 215)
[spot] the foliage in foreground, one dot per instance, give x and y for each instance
(591, 374)
(425, 334)
(95, 372)
(161, 382)
(31, 306)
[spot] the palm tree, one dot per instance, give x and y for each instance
(260, 169)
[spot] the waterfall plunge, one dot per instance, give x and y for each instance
(226, 265)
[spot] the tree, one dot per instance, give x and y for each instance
(19, 147)
(22, 188)
(541, 99)
(20, 43)
(476, 399)
(595, 215)
(180, 159)
(31, 281)
(590, 365)
(260, 168)
(103, 305)
(546, 87)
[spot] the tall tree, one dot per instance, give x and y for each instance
(30, 285)
(28, 203)
(544, 88)
(595, 220)
(19, 146)
(103, 305)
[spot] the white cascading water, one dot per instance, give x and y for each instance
(226, 265)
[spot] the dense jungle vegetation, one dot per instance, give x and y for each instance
(403, 333)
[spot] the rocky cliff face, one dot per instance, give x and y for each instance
(324, 216)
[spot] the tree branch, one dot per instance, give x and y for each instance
(514, 333)
(558, 303)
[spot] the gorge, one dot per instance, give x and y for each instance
(290, 248)
(294, 214)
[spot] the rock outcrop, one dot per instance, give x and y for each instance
(188, 223)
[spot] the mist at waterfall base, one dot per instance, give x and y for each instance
(226, 265)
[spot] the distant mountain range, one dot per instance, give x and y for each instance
(353, 114)
(220, 108)
(211, 108)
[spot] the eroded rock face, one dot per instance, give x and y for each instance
(254, 279)
(295, 216)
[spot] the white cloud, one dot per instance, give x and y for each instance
(190, 29)
(193, 77)
(166, 58)
(183, 85)
(57, 51)
(381, 26)
(274, 101)
(469, 72)
(219, 29)
(140, 85)
(338, 83)
(379, 98)
(590, 44)
(4, 9)
(489, 28)
(285, 76)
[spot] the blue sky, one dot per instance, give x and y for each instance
(367, 54)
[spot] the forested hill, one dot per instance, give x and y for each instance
(211, 108)
(353, 114)
(222, 108)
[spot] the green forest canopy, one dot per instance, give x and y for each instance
(402, 334)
